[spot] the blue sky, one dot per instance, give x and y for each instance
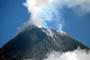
(13, 14)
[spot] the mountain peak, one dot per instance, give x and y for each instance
(35, 43)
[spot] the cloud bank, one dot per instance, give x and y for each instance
(46, 13)
(71, 55)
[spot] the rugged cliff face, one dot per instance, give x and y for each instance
(34, 43)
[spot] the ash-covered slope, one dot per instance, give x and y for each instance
(34, 43)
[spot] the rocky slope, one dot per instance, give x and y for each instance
(34, 43)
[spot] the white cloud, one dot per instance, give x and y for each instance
(36, 4)
(82, 6)
(71, 55)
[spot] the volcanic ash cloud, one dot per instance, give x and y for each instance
(46, 13)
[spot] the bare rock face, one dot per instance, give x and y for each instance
(34, 43)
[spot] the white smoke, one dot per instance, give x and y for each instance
(46, 13)
(71, 55)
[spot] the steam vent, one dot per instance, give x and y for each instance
(34, 43)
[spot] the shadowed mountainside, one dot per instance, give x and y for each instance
(34, 43)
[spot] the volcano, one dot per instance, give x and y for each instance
(34, 43)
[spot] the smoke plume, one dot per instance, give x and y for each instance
(46, 13)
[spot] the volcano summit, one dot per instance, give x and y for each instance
(34, 43)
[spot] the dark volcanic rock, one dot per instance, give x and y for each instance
(34, 43)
